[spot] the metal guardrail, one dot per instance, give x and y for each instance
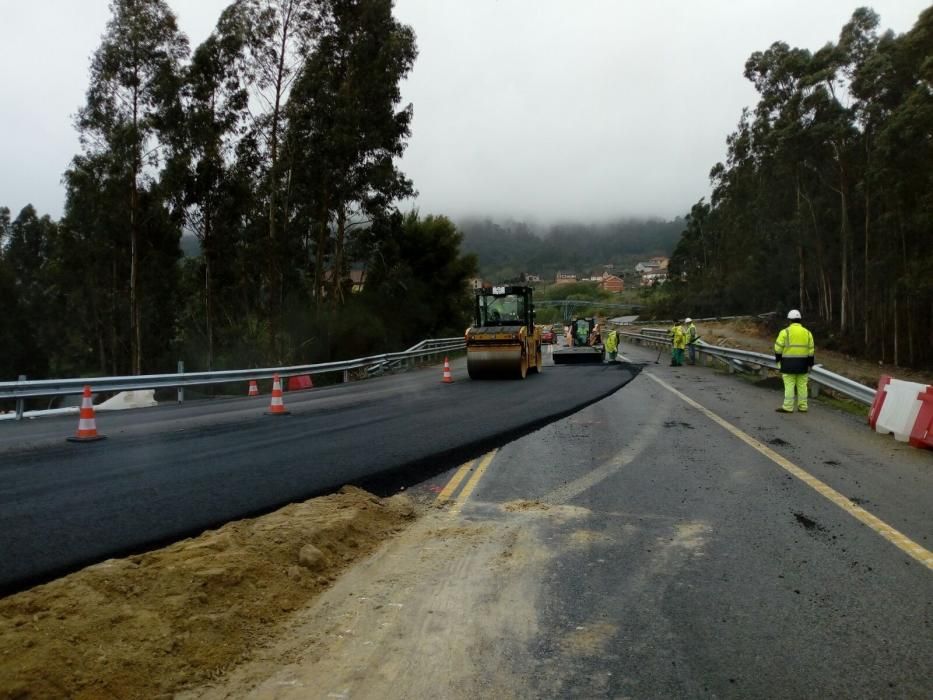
(709, 319)
(739, 358)
(24, 389)
(436, 346)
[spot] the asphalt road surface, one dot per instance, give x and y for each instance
(644, 547)
(170, 472)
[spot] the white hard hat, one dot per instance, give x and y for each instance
(688, 320)
(793, 314)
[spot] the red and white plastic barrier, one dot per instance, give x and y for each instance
(922, 434)
(880, 396)
(904, 409)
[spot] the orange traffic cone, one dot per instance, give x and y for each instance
(448, 379)
(87, 425)
(253, 388)
(277, 407)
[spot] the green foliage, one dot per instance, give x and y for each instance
(824, 201)
(126, 127)
(417, 280)
(345, 131)
(275, 146)
(22, 268)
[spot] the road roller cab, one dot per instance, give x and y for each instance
(503, 341)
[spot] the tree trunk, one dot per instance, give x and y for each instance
(323, 227)
(337, 276)
(209, 311)
(844, 233)
(275, 273)
(896, 353)
(801, 286)
(866, 302)
(135, 330)
(113, 316)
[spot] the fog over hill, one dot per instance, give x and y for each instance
(505, 249)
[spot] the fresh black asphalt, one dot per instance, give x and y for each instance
(172, 472)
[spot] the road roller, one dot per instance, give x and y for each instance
(503, 341)
(587, 344)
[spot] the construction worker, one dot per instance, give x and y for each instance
(670, 336)
(612, 344)
(583, 333)
(678, 343)
(691, 340)
(794, 352)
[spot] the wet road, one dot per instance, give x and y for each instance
(174, 471)
(702, 567)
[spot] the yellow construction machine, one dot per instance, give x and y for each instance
(503, 341)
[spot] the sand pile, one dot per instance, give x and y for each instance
(148, 625)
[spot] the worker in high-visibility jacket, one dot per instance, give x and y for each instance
(692, 338)
(794, 353)
(678, 343)
(612, 344)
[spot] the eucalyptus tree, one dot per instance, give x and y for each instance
(902, 167)
(132, 100)
(28, 256)
(277, 36)
(347, 128)
(216, 119)
(837, 159)
(4, 226)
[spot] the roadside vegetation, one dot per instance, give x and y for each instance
(274, 143)
(269, 152)
(823, 202)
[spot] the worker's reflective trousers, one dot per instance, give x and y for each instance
(794, 382)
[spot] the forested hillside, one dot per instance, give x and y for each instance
(275, 143)
(506, 250)
(825, 201)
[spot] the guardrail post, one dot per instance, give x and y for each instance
(346, 375)
(814, 388)
(20, 403)
(181, 389)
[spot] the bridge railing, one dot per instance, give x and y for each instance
(736, 359)
(26, 389)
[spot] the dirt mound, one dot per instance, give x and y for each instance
(148, 625)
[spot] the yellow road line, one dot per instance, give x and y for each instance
(474, 480)
(454, 482)
(898, 539)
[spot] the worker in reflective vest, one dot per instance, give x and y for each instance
(612, 344)
(691, 340)
(678, 343)
(794, 353)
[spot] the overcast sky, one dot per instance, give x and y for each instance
(537, 109)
